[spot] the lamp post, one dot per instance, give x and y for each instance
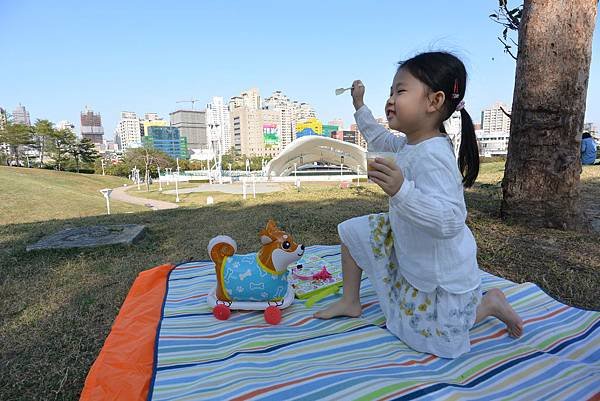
(217, 151)
(177, 188)
(168, 174)
(102, 163)
(296, 180)
(159, 181)
(220, 141)
(106, 192)
(342, 167)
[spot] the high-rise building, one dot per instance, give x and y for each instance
(128, 131)
(269, 143)
(346, 136)
(21, 116)
(91, 126)
(251, 99)
(246, 120)
(493, 119)
(328, 129)
(337, 122)
(167, 140)
(219, 128)
(256, 132)
(110, 146)
(265, 128)
(239, 126)
(284, 106)
(304, 111)
(151, 117)
(64, 124)
(151, 120)
(192, 126)
(492, 143)
(309, 126)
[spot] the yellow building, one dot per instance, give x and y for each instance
(312, 123)
(154, 123)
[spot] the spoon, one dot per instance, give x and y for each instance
(339, 91)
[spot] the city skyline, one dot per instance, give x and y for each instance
(265, 45)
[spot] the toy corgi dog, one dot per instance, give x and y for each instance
(259, 276)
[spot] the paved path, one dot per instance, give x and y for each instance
(120, 194)
(261, 188)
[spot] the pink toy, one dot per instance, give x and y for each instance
(321, 275)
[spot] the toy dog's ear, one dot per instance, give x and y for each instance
(271, 225)
(265, 239)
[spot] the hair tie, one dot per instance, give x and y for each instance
(460, 105)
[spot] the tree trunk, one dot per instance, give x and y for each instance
(16, 153)
(541, 181)
(43, 141)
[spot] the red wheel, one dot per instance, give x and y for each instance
(221, 312)
(272, 315)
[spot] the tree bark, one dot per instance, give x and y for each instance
(541, 181)
(43, 140)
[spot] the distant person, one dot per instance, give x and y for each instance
(588, 149)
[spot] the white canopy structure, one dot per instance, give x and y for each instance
(316, 148)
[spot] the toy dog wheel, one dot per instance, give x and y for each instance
(272, 315)
(221, 312)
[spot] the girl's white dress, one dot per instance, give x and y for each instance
(420, 257)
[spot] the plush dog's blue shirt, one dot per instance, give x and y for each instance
(245, 278)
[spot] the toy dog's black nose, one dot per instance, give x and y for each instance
(302, 247)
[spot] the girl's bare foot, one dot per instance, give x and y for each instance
(340, 308)
(497, 305)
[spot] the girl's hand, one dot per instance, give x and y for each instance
(387, 175)
(358, 93)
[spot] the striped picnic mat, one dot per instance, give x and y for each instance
(201, 358)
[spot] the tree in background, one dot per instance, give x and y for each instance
(541, 180)
(149, 158)
(60, 143)
(43, 130)
(16, 136)
(238, 161)
(83, 151)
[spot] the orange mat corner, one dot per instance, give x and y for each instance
(124, 366)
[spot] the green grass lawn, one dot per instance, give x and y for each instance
(29, 195)
(57, 307)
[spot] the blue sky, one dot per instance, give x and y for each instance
(143, 56)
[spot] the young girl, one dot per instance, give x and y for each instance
(421, 256)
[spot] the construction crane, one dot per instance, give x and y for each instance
(192, 101)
